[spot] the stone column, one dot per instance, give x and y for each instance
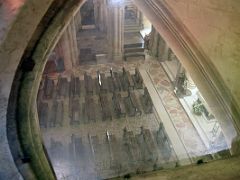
(154, 42)
(97, 5)
(103, 16)
(78, 21)
(116, 29)
(163, 50)
(67, 45)
(190, 84)
(100, 14)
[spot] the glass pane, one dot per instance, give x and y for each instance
(115, 100)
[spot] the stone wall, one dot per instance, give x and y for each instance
(16, 35)
(215, 25)
(193, 51)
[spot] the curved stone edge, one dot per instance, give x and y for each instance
(15, 41)
(31, 137)
(220, 170)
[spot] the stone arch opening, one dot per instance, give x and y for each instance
(182, 47)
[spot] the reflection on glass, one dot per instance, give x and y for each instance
(115, 100)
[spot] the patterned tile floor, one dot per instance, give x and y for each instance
(181, 121)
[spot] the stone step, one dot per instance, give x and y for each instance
(134, 49)
(135, 54)
(133, 45)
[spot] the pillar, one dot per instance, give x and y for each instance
(116, 29)
(153, 43)
(78, 21)
(68, 47)
(163, 50)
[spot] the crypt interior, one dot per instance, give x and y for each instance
(114, 96)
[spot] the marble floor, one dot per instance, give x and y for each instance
(162, 83)
(182, 123)
(99, 149)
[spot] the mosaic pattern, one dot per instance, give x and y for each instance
(181, 121)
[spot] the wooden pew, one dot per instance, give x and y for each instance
(146, 102)
(90, 108)
(163, 143)
(110, 84)
(75, 112)
(89, 84)
(114, 151)
(77, 148)
(48, 88)
(132, 147)
(149, 143)
(116, 82)
(104, 83)
(124, 80)
(43, 115)
(59, 114)
(95, 147)
(131, 111)
(138, 81)
(118, 104)
(106, 110)
(74, 87)
(62, 87)
(130, 81)
(52, 121)
(134, 102)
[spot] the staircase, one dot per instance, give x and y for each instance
(134, 47)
